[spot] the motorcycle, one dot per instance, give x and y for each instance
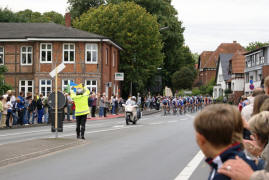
(131, 114)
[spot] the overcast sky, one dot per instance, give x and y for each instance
(207, 22)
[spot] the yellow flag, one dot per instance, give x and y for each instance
(79, 86)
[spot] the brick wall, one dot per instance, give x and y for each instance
(78, 71)
(265, 71)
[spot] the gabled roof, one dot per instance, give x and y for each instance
(224, 48)
(203, 58)
(46, 31)
(224, 62)
(238, 63)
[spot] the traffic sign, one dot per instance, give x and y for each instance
(119, 76)
(251, 86)
(251, 81)
(58, 68)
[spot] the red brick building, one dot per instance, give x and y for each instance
(32, 50)
(208, 61)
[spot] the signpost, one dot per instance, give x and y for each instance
(52, 74)
(251, 86)
(119, 76)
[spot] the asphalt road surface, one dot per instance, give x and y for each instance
(157, 148)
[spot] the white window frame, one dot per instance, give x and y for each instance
(68, 81)
(46, 85)
(46, 50)
(107, 54)
(2, 53)
(90, 87)
(91, 47)
(26, 86)
(27, 53)
(114, 57)
(69, 50)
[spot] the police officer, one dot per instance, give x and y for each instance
(80, 99)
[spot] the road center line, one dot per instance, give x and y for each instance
(191, 166)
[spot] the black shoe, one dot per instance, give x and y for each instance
(83, 137)
(78, 137)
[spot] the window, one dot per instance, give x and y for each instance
(257, 59)
(91, 85)
(45, 53)
(26, 55)
(259, 77)
(1, 55)
(45, 87)
(253, 60)
(251, 78)
(66, 83)
(262, 60)
(26, 86)
(114, 58)
(107, 55)
(91, 52)
(69, 53)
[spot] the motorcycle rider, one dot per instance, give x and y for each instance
(80, 99)
(132, 101)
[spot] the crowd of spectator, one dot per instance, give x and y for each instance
(34, 109)
(235, 139)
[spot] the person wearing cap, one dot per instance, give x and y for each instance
(80, 99)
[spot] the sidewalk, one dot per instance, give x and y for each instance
(16, 152)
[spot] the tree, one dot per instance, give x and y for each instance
(172, 36)
(78, 7)
(28, 15)
(183, 79)
(136, 31)
(255, 45)
(7, 15)
(53, 16)
(3, 86)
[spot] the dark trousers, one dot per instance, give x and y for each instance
(105, 109)
(20, 116)
(81, 121)
(93, 111)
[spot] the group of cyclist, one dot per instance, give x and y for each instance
(182, 105)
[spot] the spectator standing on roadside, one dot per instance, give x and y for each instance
(46, 110)
(1, 108)
(4, 114)
(21, 108)
(113, 103)
(248, 109)
(9, 112)
(101, 106)
(40, 110)
(90, 101)
(94, 103)
(32, 109)
(106, 104)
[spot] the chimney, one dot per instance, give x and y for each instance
(67, 19)
(233, 41)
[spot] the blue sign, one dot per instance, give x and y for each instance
(251, 81)
(251, 87)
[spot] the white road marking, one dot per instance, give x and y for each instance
(186, 173)
(156, 123)
(118, 126)
(185, 119)
(172, 121)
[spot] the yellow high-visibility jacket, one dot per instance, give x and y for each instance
(81, 102)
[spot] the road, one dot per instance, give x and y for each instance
(157, 148)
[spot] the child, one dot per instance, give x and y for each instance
(217, 129)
